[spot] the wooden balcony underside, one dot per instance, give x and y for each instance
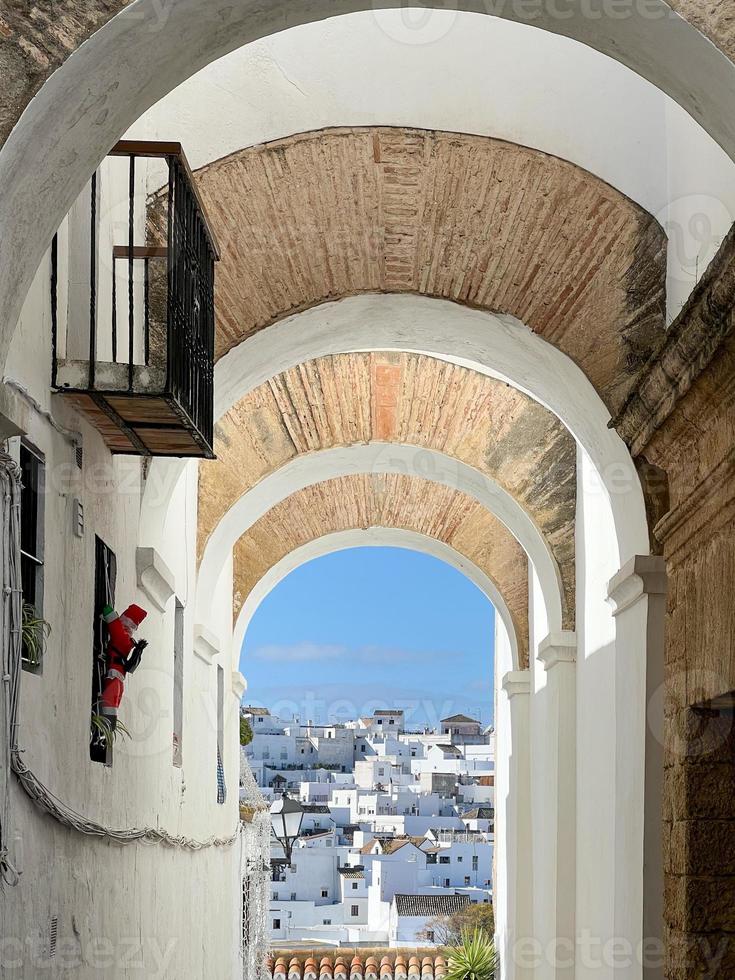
(140, 425)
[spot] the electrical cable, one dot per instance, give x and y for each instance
(71, 435)
(44, 798)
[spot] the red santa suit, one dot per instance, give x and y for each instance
(123, 656)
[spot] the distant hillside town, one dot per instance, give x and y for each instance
(397, 830)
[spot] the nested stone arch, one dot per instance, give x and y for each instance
(497, 346)
(383, 537)
(488, 224)
(412, 400)
(378, 459)
(381, 500)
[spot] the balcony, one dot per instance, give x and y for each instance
(132, 301)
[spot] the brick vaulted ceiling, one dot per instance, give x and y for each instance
(482, 222)
(394, 501)
(352, 399)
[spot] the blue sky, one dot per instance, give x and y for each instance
(368, 628)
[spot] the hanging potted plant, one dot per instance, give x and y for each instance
(34, 632)
(103, 731)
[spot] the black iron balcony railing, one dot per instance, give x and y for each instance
(138, 358)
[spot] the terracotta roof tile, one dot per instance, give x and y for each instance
(356, 872)
(362, 965)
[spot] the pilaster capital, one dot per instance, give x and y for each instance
(206, 644)
(155, 578)
(558, 648)
(516, 682)
(239, 684)
(643, 575)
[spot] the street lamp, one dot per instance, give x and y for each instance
(286, 817)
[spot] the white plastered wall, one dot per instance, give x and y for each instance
(505, 833)
(114, 905)
(597, 562)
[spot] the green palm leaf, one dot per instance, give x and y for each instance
(474, 958)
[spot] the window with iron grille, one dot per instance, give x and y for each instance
(31, 543)
(354, 910)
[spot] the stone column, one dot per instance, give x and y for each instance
(519, 858)
(638, 597)
(558, 654)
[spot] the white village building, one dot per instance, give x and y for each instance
(400, 818)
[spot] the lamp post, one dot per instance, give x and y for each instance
(286, 818)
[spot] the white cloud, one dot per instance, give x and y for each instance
(309, 651)
(299, 652)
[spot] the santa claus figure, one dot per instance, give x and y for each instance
(123, 657)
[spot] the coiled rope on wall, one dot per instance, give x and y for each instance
(44, 798)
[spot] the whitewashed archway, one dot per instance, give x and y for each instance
(496, 345)
(377, 457)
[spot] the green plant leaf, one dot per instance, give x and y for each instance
(474, 958)
(102, 727)
(34, 633)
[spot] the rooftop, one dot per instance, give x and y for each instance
(479, 813)
(459, 719)
(389, 845)
(430, 904)
(357, 871)
(395, 964)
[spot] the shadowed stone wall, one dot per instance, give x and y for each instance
(683, 421)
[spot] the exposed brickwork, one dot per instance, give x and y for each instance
(406, 398)
(35, 39)
(372, 500)
(714, 18)
(489, 224)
